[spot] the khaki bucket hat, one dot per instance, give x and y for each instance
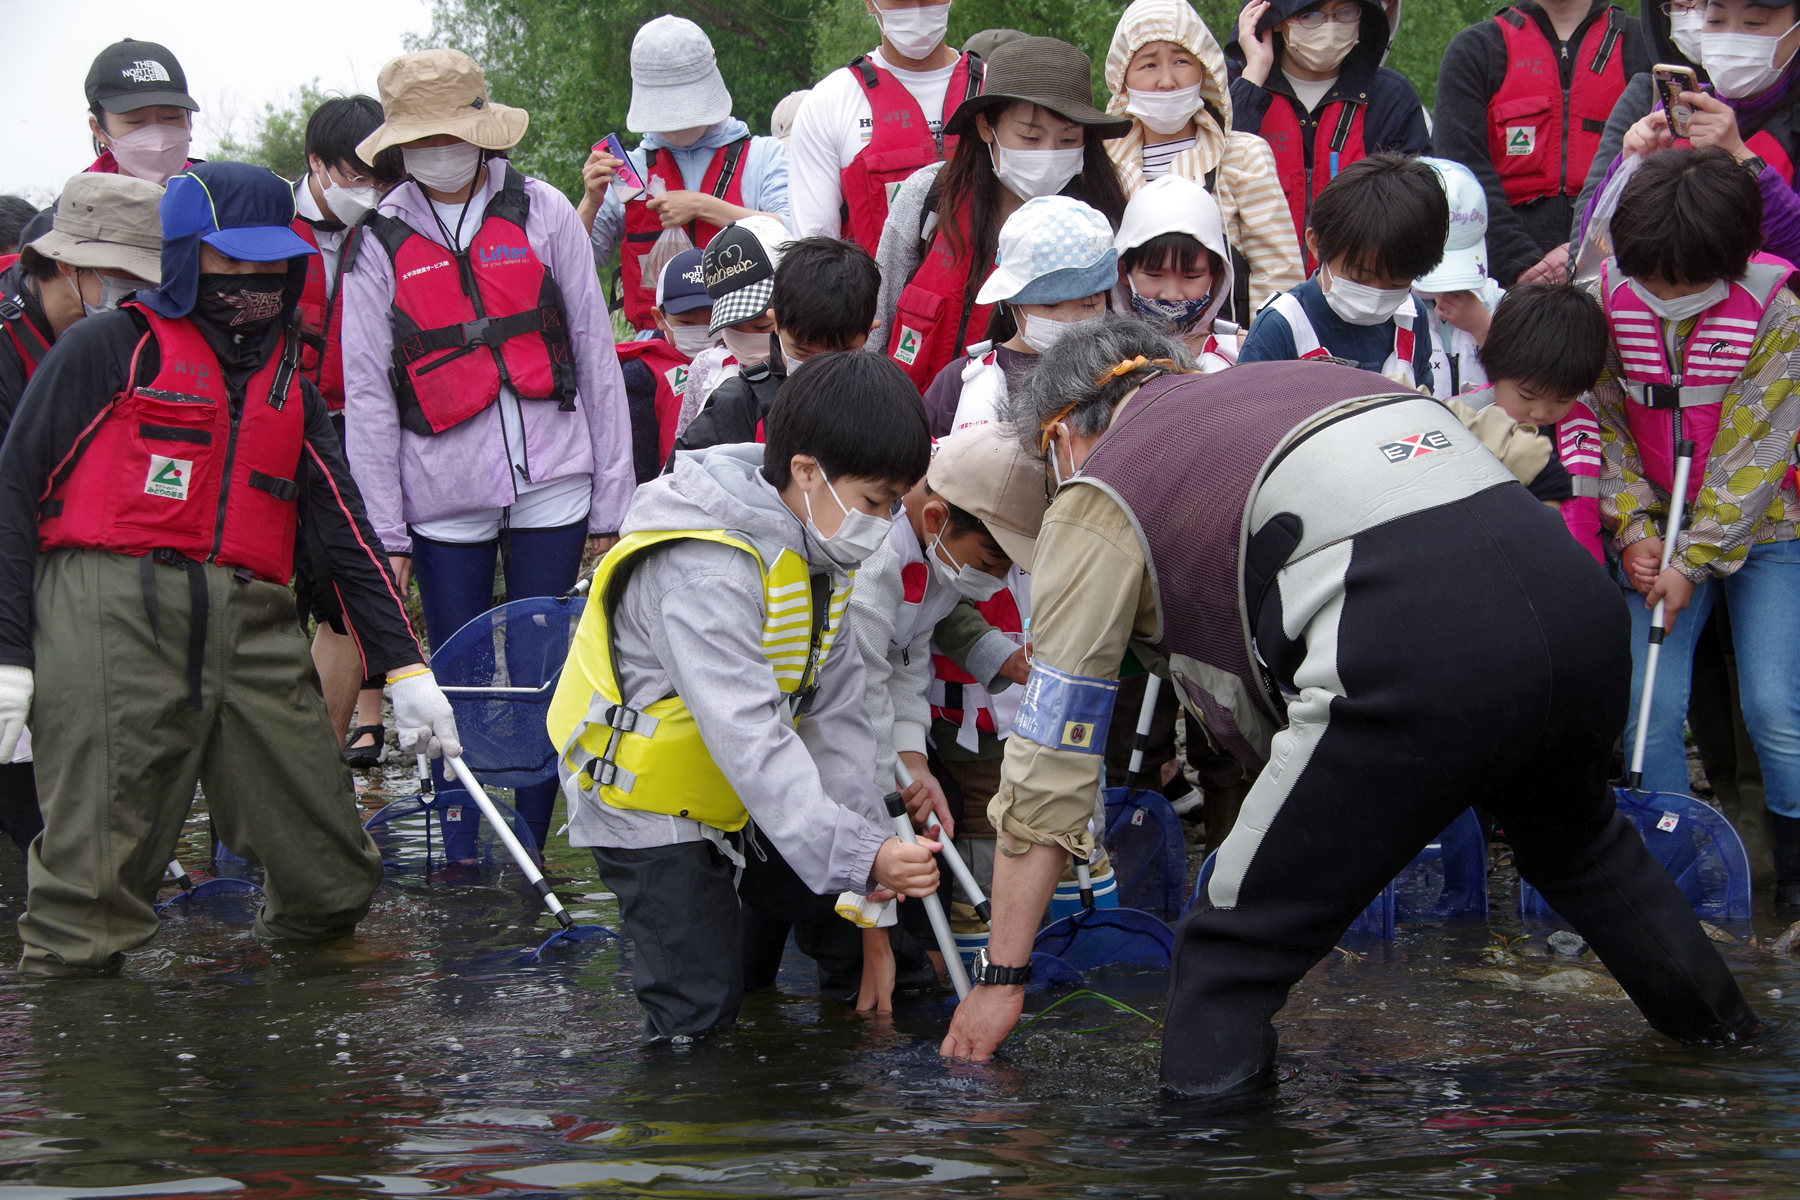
(440, 91)
(106, 222)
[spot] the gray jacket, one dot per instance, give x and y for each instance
(898, 255)
(690, 624)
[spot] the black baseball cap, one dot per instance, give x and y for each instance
(131, 74)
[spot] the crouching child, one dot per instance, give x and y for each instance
(711, 715)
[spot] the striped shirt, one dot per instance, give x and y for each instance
(1157, 158)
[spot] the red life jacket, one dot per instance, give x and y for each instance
(669, 367)
(643, 227)
(26, 337)
(957, 696)
(900, 143)
(466, 323)
(170, 466)
(937, 315)
(1543, 137)
(322, 317)
(1310, 149)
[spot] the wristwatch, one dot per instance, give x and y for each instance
(1754, 164)
(987, 972)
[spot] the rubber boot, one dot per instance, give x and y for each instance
(1787, 861)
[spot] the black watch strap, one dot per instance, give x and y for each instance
(998, 976)
(1754, 164)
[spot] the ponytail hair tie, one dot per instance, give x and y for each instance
(1127, 366)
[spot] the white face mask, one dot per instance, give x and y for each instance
(915, 32)
(858, 536)
(154, 152)
(961, 579)
(691, 339)
(1165, 112)
(443, 168)
(1742, 65)
(748, 348)
(349, 204)
(1041, 333)
(1682, 307)
(1684, 31)
(1323, 49)
(112, 291)
(1029, 174)
(1360, 304)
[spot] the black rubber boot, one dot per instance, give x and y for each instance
(1787, 861)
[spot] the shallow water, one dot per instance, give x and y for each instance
(422, 1058)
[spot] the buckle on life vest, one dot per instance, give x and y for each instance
(628, 720)
(604, 773)
(475, 332)
(1662, 395)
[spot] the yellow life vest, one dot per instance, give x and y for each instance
(653, 759)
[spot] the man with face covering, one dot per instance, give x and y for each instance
(164, 462)
(1312, 85)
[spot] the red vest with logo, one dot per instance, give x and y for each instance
(669, 367)
(643, 227)
(1542, 138)
(466, 323)
(900, 143)
(322, 317)
(957, 696)
(170, 465)
(1310, 151)
(937, 316)
(1713, 358)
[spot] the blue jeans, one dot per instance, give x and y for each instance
(456, 585)
(1764, 598)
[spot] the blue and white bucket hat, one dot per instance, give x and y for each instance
(1054, 248)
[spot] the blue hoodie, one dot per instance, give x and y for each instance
(764, 170)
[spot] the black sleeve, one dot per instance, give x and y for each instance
(78, 378)
(1473, 68)
(333, 509)
(1248, 104)
(942, 397)
(1396, 117)
(646, 434)
(12, 383)
(1552, 483)
(729, 417)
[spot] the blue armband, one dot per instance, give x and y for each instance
(1064, 711)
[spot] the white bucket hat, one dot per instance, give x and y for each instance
(675, 80)
(1054, 248)
(1465, 265)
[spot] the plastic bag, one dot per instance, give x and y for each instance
(1596, 238)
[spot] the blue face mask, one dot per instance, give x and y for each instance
(1177, 314)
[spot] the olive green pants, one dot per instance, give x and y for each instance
(119, 747)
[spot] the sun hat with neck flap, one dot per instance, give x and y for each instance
(242, 211)
(1044, 71)
(433, 92)
(107, 222)
(675, 80)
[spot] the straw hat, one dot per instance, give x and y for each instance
(107, 222)
(440, 91)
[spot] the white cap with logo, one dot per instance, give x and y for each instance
(1465, 265)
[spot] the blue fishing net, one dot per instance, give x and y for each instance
(1108, 937)
(1149, 854)
(1694, 843)
(500, 672)
(423, 832)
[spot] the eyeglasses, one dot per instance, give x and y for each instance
(1350, 14)
(1671, 7)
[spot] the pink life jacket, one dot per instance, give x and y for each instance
(1713, 359)
(961, 699)
(1578, 446)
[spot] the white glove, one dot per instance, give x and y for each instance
(15, 706)
(422, 717)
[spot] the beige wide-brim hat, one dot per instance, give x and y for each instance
(983, 471)
(107, 222)
(440, 91)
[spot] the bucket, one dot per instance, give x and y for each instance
(1067, 899)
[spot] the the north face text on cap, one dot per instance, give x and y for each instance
(146, 70)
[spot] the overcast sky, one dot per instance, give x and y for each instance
(238, 55)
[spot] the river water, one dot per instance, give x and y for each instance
(422, 1058)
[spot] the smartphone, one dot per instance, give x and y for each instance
(1670, 82)
(626, 181)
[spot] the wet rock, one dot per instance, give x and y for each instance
(1566, 944)
(1785, 942)
(1499, 956)
(1569, 981)
(1719, 935)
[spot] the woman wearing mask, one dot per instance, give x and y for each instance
(1313, 87)
(1166, 74)
(474, 292)
(139, 111)
(1748, 50)
(1033, 132)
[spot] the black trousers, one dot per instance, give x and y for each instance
(679, 907)
(19, 816)
(1478, 656)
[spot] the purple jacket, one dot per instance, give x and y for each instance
(405, 477)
